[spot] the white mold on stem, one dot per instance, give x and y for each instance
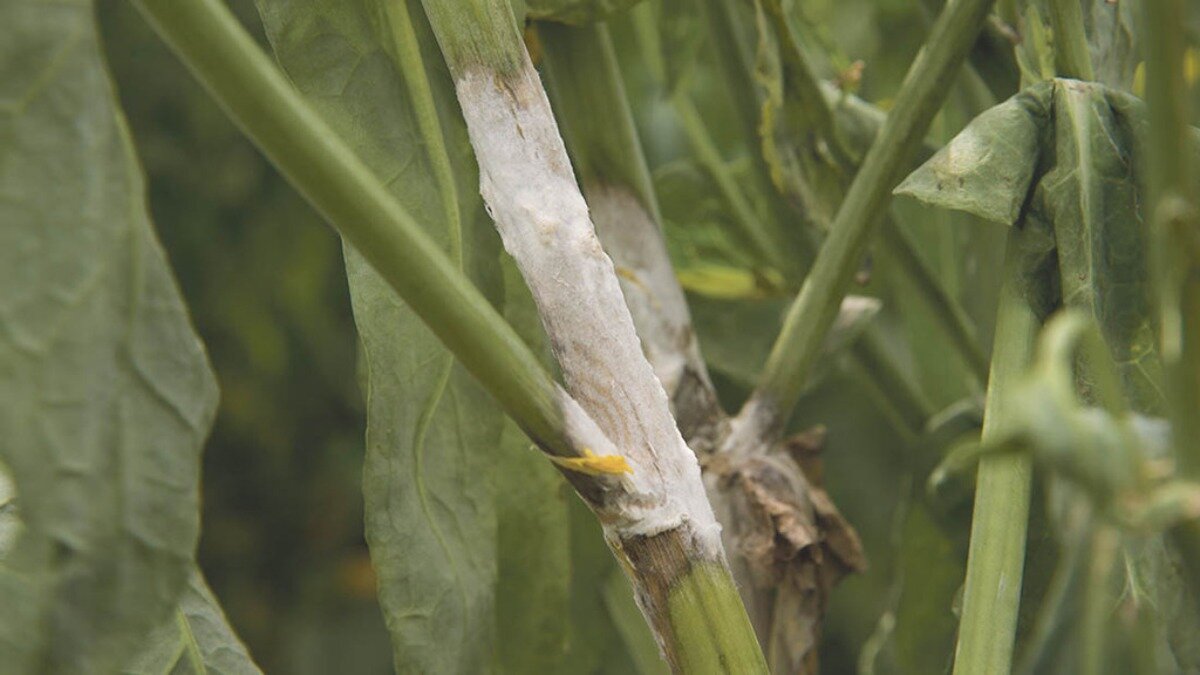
(530, 191)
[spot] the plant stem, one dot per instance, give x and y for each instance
(1071, 57)
(657, 519)
(582, 76)
(211, 42)
(921, 95)
(1175, 248)
(992, 592)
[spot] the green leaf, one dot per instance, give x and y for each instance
(988, 168)
(1065, 153)
(373, 71)
(196, 638)
(1091, 196)
(799, 142)
(534, 563)
(1113, 40)
(107, 391)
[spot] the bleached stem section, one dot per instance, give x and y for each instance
(527, 183)
(632, 237)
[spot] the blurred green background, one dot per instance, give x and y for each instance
(282, 542)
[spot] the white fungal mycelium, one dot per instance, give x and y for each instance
(530, 190)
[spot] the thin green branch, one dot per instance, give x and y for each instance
(996, 561)
(921, 95)
(211, 42)
(1071, 57)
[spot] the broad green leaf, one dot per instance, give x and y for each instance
(1065, 153)
(533, 597)
(107, 392)
(373, 71)
(194, 639)
(1091, 197)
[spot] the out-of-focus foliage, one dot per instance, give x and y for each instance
(107, 392)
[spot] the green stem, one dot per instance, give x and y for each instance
(1097, 600)
(1071, 57)
(995, 563)
(921, 95)
(1175, 247)
(211, 42)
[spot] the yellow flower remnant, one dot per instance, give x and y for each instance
(594, 465)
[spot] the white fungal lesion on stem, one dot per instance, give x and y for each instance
(530, 190)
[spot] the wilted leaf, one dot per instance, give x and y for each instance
(1065, 153)
(373, 71)
(1091, 197)
(988, 168)
(196, 638)
(107, 391)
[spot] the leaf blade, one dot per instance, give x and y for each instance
(108, 392)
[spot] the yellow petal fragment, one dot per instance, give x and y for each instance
(594, 465)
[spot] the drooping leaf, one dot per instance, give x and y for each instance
(107, 391)
(988, 168)
(1065, 153)
(1091, 196)
(373, 71)
(194, 640)
(795, 124)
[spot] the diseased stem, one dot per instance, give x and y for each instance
(921, 95)
(211, 42)
(996, 561)
(659, 522)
